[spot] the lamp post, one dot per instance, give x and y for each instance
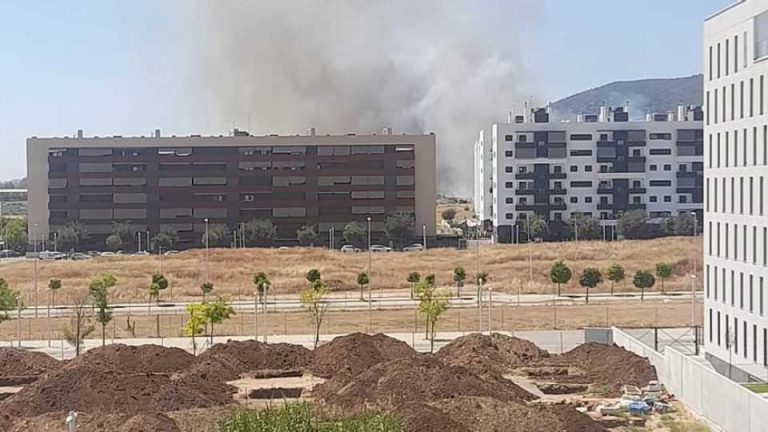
(530, 250)
(424, 235)
(147, 246)
(207, 278)
(370, 311)
(138, 237)
(490, 309)
(37, 258)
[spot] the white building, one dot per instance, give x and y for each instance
(736, 167)
(598, 165)
(483, 187)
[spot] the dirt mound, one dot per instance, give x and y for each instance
(135, 359)
(421, 378)
(18, 362)
(86, 389)
(420, 417)
(600, 364)
(226, 361)
(357, 352)
(484, 414)
(149, 423)
(496, 353)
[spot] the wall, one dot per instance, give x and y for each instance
(719, 400)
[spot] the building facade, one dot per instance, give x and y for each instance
(598, 166)
(175, 184)
(736, 170)
(483, 174)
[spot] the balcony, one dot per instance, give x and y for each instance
(558, 191)
(638, 190)
(541, 207)
(524, 176)
(525, 191)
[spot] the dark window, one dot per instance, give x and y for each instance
(581, 184)
(509, 185)
(581, 152)
(660, 183)
(667, 167)
(653, 198)
(508, 153)
(574, 200)
(657, 152)
(652, 167)
(588, 200)
(660, 136)
(588, 168)
(667, 198)
(558, 216)
(581, 137)
(509, 138)
(509, 169)
(682, 168)
(510, 216)
(574, 168)
(683, 199)
(510, 200)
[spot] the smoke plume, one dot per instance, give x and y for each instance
(418, 66)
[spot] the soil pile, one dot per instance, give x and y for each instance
(601, 364)
(135, 359)
(484, 414)
(495, 354)
(421, 378)
(149, 423)
(420, 417)
(357, 352)
(54, 422)
(227, 361)
(19, 362)
(86, 389)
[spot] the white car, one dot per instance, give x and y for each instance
(416, 247)
(349, 249)
(48, 255)
(380, 248)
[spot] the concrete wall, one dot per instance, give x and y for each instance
(724, 403)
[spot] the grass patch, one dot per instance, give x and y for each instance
(757, 387)
(600, 390)
(300, 417)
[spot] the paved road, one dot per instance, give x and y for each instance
(385, 299)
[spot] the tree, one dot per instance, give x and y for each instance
(459, 275)
(643, 280)
(312, 300)
(206, 288)
(70, 235)
(164, 240)
(195, 322)
(313, 275)
(124, 230)
(398, 228)
(354, 234)
(560, 274)
(667, 226)
(362, 280)
(262, 285)
(307, 235)
(615, 274)
(684, 224)
(633, 224)
(218, 311)
(449, 215)
(413, 279)
(79, 327)
(538, 227)
(15, 234)
(587, 228)
(99, 293)
(114, 242)
(159, 283)
(590, 278)
(217, 235)
(8, 300)
(432, 303)
(260, 232)
(54, 285)
(663, 271)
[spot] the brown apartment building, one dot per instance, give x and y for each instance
(175, 183)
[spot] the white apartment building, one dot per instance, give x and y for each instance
(599, 165)
(736, 170)
(483, 190)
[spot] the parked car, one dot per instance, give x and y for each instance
(93, 253)
(107, 254)
(171, 252)
(9, 253)
(416, 247)
(80, 257)
(48, 255)
(142, 253)
(349, 249)
(380, 248)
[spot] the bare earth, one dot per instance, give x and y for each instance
(231, 270)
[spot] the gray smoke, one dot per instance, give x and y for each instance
(448, 67)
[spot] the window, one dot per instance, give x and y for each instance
(652, 167)
(581, 152)
(683, 199)
(761, 35)
(574, 200)
(508, 153)
(587, 168)
(509, 216)
(667, 198)
(660, 183)
(509, 138)
(660, 136)
(588, 200)
(581, 137)
(509, 185)
(509, 169)
(658, 152)
(653, 198)
(667, 167)
(574, 168)
(510, 200)
(581, 184)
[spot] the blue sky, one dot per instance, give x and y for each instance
(127, 67)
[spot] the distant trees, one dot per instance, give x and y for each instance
(449, 215)
(535, 227)
(362, 280)
(260, 232)
(124, 231)
(587, 228)
(8, 300)
(663, 271)
(633, 224)
(643, 280)
(398, 227)
(70, 235)
(590, 278)
(354, 234)
(15, 234)
(218, 235)
(114, 242)
(307, 235)
(684, 224)
(560, 274)
(459, 275)
(165, 240)
(413, 279)
(615, 274)
(206, 288)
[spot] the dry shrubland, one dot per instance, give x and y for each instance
(231, 270)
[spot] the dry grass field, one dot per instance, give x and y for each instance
(231, 270)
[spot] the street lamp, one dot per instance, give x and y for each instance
(424, 235)
(370, 277)
(37, 258)
(530, 250)
(490, 306)
(207, 278)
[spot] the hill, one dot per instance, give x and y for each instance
(644, 96)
